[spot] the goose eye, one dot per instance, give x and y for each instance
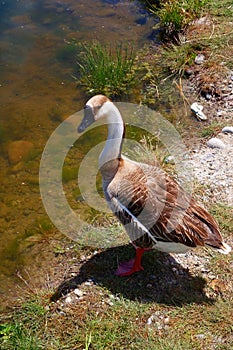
(97, 108)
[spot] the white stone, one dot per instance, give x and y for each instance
(216, 143)
(78, 292)
(68, 300)
(227, 129)
(197, 109)
(200, 336)
(150, 320)
(199, 59)
(170, 160)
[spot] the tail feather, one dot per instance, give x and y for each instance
(225, 249)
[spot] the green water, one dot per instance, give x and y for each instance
(37, 92)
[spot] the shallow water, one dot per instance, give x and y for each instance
(37, 92)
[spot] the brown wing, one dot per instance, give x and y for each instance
(153, 207)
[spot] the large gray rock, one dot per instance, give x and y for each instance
(216, 143)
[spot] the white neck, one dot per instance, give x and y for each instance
(108, 159)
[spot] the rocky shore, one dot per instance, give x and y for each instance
(211, 157)
(212, 166)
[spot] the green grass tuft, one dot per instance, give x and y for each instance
(176, 15)
(106, 70)
(23, 331)
(223, 214)
(210, 130)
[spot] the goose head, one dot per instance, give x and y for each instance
(96, 108)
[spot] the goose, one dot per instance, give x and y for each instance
(155, 210)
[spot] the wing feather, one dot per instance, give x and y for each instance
(153, 207)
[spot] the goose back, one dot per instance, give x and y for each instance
(157, 212)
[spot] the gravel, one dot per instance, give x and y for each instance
(212, 159)
(213, 168)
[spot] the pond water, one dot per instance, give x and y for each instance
(37, 92)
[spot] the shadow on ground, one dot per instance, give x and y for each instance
(163, 281)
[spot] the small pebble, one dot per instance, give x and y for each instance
(208, 96)
(78, 292)
(170, 160)
(228, 129)
(200, 336)
(216, 143)
(68, 300)
(88, 283)
(189, 72)
(199, 59)
(62, 313)
(200, 21)
(220, 113)
(150, 320)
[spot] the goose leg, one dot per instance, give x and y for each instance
(134, 265)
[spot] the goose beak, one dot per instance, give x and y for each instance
(88, 118)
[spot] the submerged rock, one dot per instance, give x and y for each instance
(216, 143)
(19, 150)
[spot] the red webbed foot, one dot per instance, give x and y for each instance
(134, 265)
